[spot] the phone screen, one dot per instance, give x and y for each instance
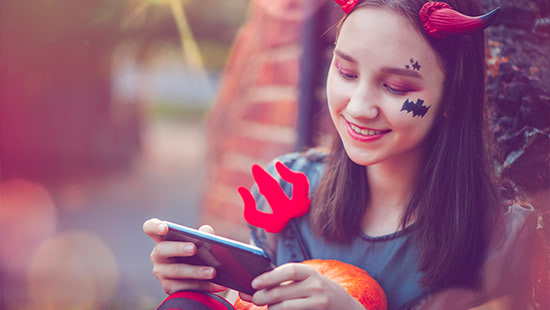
(236, 263)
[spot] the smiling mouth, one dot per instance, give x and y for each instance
(367, 132)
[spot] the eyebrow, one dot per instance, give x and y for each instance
(387, 70)
(399, 71)
(345, 56)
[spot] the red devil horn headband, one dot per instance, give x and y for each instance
(440, 20)
(347, 5)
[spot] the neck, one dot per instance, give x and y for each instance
(391, 185)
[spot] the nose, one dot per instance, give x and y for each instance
(363, 103)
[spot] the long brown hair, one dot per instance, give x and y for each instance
(455, 201)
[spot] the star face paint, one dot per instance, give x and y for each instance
(413, 64)
(416, 108)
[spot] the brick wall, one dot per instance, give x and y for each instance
(254, 119)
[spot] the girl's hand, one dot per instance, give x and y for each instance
(174, 276)
(299, 286)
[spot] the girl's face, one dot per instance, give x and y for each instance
(384, 87)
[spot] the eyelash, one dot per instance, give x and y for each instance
(396, 91)
(346, 76)
(350, 77)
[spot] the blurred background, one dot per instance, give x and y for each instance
(113, 112)
(103, 108)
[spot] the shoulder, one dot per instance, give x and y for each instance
(300, 161)
(310, 162)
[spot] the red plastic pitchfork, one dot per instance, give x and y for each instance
(283, 208)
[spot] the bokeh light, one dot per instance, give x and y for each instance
(27, 218)
(99, 131)
(73, 270)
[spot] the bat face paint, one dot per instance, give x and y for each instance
(414, 65)
(417, 108)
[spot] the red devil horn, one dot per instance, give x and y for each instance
(347, 5)
(440, 20)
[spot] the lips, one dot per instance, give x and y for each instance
(365, 134)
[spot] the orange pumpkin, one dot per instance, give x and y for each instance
(357, 282)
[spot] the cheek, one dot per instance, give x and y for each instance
(421, 106)
(410, 131)
(412, 114)
(337, 92)
(418, 108)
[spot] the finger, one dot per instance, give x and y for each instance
(207, 229)
(281, 274)
(245, 297)
(167, 249)
(293, 290)
(183, 271)
(155, 229)
(300, 303)
(171, 286)
(276, 295)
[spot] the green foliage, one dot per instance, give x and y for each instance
(178, 112)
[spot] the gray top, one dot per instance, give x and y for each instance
(393, 260)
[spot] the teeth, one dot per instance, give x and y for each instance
(365, 132)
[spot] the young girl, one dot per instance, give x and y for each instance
(406, 192)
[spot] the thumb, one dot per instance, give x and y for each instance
(207, 229)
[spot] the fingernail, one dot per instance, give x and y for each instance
(160, 228)
(256, 283)
(208, 272)
(189, 248)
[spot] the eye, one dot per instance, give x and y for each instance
(346, 74)
(396, 91)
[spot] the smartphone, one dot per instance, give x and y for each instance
(236, 263)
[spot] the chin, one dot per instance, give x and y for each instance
(361, 158)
